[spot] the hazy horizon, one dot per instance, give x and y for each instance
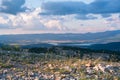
(57, 33)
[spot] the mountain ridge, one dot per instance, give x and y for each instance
(100, 37)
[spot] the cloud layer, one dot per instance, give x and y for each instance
(70, 7)
(12, 6)
(59, 16)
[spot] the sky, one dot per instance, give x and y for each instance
(58, 16)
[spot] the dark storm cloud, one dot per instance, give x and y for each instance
(105, 6)
(96, 7)
(64, 8)
(12, 6)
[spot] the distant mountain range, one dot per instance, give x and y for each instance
(100, 37)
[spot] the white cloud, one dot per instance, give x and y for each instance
(31, 22)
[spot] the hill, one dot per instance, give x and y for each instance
(114, 46)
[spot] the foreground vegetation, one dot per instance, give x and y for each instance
(58, 63)
(16, 66)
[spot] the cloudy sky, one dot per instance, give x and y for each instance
(58, 16)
